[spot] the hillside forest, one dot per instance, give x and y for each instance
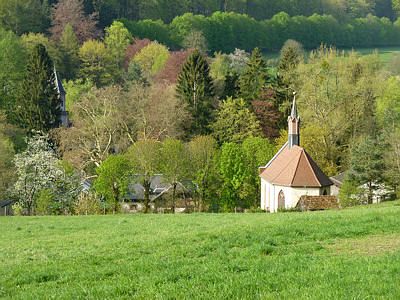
(183, 88)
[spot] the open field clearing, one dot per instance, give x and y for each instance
(385, 53)
(353, 254)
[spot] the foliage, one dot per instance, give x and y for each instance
(174, 165)
(235, 122)
(95, 63)
(103, 124)
(12, 63)
(338, 93)
(24, 16)
(144, 156)
(203, 158)
(152, 58)
(195, 88)
(7, 172)
(291, 55)
(117, 40)
(367, 164)
(72, 12)
(257, 152)
(225, 31)
(173, 67)
(350, 193)
(254, 76)
(157, 112)
(232, 168)
(195, 40)
(87, 204)
(43, 202)
(69, 49)
(32, 40)
(75, 89)
(37, 169)
(112, 180)
(38, 105)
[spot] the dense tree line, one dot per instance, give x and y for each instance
(227, 31)
(34, 15)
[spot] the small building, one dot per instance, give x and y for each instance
(291, 173)
(6, 207)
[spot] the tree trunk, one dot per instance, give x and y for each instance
(146, 185)
(173, 197)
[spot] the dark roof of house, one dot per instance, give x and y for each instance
(4, 203)
(294, 167)
(338, 179)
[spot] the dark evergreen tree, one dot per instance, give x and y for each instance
(254, 77)
(231, 87)
(195, 87)
(292, 54)
(367, 164)
(38, 104)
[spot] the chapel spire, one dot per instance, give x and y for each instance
(294, 125)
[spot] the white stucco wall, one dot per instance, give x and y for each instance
(270, 192)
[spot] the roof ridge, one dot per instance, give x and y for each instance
(309, 163)
(297, 166)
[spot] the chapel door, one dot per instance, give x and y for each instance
(281, 200)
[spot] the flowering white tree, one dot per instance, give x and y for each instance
(37, 169)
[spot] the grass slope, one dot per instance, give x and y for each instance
(351, 254)
(385, 53)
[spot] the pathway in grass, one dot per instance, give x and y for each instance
(319, 255)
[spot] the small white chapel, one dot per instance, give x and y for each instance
(291, 173)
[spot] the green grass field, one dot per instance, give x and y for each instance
(347, 254)
(385, 53)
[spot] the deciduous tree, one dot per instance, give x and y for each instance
(112, 180)
(235, 122)
(174, 165)
(72, 12)
(144, 156)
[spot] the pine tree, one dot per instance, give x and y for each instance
(38, 104)
(254, 77)
(195, 87)
(69, 52)
(231, 86)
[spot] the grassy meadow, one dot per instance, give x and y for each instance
(349, 254)
(385, 53)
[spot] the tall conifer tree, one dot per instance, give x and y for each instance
(195, 87)
(254, 77)
(38, 104)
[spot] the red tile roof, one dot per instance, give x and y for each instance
(294, 167)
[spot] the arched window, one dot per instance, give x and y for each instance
(325, 193)
(281, 200)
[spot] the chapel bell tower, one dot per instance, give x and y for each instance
(294, 125)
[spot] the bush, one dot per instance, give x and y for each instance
(44, 202)
(88, 204)
(350, 194)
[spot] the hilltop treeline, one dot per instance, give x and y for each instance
(227, 31)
